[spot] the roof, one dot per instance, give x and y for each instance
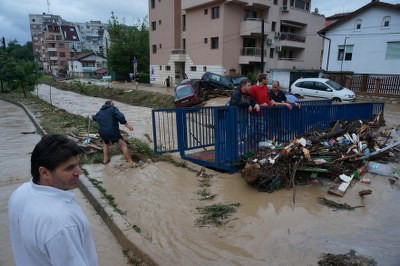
(338, 16)
(69, 33)
(81, 56)
(372, 4)
(102, 70)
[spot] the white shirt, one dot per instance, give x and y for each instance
(48, 227)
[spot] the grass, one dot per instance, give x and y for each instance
(216, 214)
(134, 97)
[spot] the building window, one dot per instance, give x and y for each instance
(249, 14)
(206, 11)
(215, 12)
(153, 3)
(33, 20)
(204, 69)
(300, 4)
(271, 52)
(61, 45)
(160, 67)
(168, 68)
(183, 22)
(71, 29)
(205, 40)
(346, 53)
(159, 22)
(214, 42)
(153, 25)
(393, 50)
(160, 46)
(273, 26)
(291, 3)
(386, 22)
(357, 24)
(62, 54)
(154, 48)
(193, 68)
(275, 2)
(183, 44)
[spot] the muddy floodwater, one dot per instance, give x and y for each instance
(139, 117)
(17, 140)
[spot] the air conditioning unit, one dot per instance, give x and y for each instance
(277, 35)
(285, 8)
(270, 41)
(278, 49)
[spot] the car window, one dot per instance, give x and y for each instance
(306, 84)
(334, 85)
(226, 81)
(237, 80)
(215, 77)
(183, 91)
(321, 86)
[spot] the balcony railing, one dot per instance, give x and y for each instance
(291, 59)
(252, 51)
(178, 51)
(286, 36)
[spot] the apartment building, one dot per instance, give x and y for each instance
(37, 24)
(92, 33)
(54, 51)
(225, 37)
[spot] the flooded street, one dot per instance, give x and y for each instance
(268, 229)
(17, 140)
(139, 117)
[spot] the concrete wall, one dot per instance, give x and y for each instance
(283, 76)
(370, 43)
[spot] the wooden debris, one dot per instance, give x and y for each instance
(364, 192)
(337, 205)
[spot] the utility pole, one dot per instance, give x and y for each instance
(4, 43)
(262, 45)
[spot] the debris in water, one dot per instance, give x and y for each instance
(364, 192)
(337, 205)
(216, 214)
(349, 259)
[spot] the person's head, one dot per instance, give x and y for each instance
(109, 103)
(275, 86)
(245, 85)
(55, 162)
(262, 78)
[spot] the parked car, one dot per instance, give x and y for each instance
(215, 81)
(237, 79)
(324, 88)
(188, 93)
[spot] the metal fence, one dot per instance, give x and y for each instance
(218, 136)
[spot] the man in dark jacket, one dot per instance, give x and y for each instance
(109, 118)
(241, 97)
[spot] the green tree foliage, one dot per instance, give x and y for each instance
(128, 42)
(17, 68)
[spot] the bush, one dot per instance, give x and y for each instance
(252, 77)
(144, 77)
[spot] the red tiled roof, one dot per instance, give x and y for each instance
(69, 33)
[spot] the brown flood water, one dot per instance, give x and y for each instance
(15, 149)
(267, 230)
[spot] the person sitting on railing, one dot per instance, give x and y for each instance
(259, 91)
(241, 97)
(278, 97)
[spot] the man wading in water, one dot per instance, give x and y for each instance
(109, 118)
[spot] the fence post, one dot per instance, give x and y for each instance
(377, 85)
(364, 83)
(180, 126)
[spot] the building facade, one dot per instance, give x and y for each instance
(37, 24)
(92, 33)
(84, 65)
(195, 36)
(366, 41)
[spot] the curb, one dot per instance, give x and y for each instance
(120, 228)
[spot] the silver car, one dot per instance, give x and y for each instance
(323, 88)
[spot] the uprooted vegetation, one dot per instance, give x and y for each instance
(133, 97)
(216, 214)
(348, 259)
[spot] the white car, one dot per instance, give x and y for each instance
(324, 88)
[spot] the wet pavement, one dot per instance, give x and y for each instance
(17, 140)
(161, 200)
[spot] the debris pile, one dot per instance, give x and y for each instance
(350, 259)
(338, 154)
(89, 142)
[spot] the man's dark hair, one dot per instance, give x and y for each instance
(51, 151)
(243, 82)
(261, 76)
(108, 102)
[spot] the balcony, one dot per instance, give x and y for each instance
(52, 49)
(292, 40)
(251, 54)
(290, 63)
(251, 26)
(178, 55)
(53, 58)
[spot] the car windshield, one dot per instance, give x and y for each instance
(183, 91)
(237, 80)
(334, 85)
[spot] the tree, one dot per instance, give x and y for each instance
(127, 43)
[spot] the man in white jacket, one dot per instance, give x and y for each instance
(47, 225)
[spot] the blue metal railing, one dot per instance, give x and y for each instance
(227, 133)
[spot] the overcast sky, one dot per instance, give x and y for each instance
(14, 22)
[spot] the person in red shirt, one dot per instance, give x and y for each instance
(259, 91)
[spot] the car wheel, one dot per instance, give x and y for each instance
(337, 100)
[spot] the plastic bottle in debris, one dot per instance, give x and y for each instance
(381, 169)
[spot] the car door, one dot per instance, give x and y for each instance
(306, 88)
(323, 90)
